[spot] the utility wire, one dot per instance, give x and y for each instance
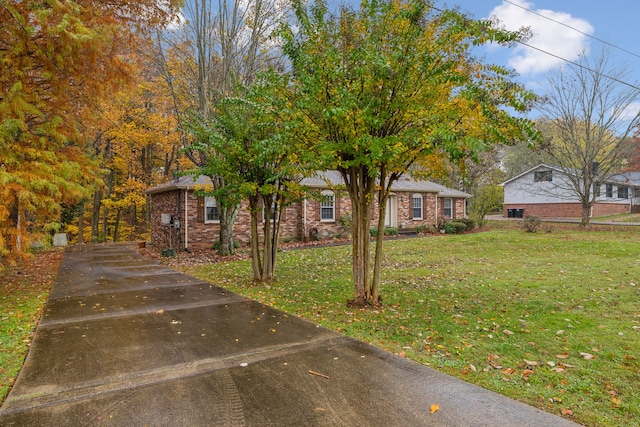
(565, 59)
(572, 28)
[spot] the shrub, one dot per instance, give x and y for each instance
(168, 252)
(454, 227)
(531, 223)
(345, 222)
(388, 231)
(468, 222)
(425, 229)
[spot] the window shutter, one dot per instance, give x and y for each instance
(337, 207)
(200, 207)
(319, 210)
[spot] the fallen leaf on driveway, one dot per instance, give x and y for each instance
(434, 408)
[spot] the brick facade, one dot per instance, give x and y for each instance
(301, 220)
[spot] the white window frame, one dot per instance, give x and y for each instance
(623, 192)
(324, 206)
(448, 200)
(273, 210)
(211, 202)
(543, 176)
(417, 199)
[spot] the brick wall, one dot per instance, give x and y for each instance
(567, 210)
(202, 235)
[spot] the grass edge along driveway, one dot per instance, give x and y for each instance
(551, 318)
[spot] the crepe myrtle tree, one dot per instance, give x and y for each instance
(390, 83)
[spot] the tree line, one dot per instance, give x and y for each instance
(98, 105)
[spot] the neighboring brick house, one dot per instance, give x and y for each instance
(180, 219)
(545, 191)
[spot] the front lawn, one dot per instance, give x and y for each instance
(551, 319)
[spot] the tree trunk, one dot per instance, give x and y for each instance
(227, 221)
(586, 214)
(81, 222)
(95, 216)
(105, 220)
(383, 196)
(256, 262)
(360, 187)
(116, 227)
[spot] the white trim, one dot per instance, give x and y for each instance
(414, 197)
(211, 221)
(328, 193)
(186, 219)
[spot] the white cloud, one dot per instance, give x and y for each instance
(547, 36)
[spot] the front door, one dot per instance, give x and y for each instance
(391, 216)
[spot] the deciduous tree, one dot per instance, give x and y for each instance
(58, 59)
(589, 117)
(389, 84)
(255, 152)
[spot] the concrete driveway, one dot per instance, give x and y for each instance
(127, 342)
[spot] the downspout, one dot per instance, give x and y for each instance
(436, 210)
(304, 219)
(186, 217)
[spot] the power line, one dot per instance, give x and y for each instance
(581, 66)
(565, 59)
(573, 28)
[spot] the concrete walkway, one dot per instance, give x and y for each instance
(126, 342)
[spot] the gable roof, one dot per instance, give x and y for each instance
(540, 166)
(319, 180)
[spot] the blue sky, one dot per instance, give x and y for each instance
(614, 21)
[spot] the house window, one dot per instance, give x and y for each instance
(637, 192)
(273, 210)
(623, 192)
(609, 190)
(211, 209)
(596, 189)
(417, 206)
(327, 207)
(543, 176)
(448, 211)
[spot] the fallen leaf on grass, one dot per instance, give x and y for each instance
(530, 362)
(562, 356)
(587, 356)
(434, 408)
(566, 412)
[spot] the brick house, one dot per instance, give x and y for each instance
(545, 191)
(180, 219)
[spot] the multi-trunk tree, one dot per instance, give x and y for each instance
(255, 151)
(219, 49)
(391, 83)
(58, 59)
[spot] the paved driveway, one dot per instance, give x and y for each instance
(127, 342)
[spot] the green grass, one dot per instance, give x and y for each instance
(23, 294)
(514, 312)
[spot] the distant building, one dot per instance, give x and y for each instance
(545, 191)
